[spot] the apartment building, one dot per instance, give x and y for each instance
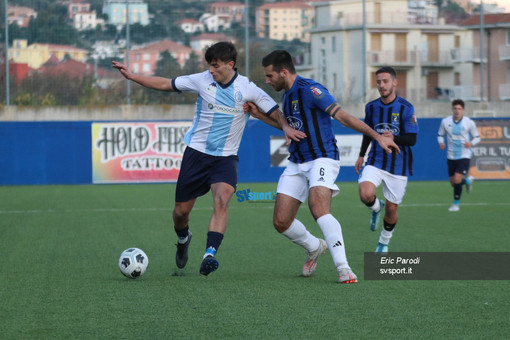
(235, 10)
(143, 60)
(419, 52)
(20, 15)
(37, 54)
(116, 11)
(285, 20)
(493, 59)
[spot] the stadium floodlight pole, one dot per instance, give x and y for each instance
(7, 83)
(364, 52)
(128, 84)
(481, 53)
(247, 39)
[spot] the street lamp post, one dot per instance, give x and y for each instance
(7, 92)
(128, 84)
(481, 53)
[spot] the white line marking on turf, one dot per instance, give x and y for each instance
(98, 210)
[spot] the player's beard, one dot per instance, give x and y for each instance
(390, 92)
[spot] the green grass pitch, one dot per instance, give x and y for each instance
(59, 277)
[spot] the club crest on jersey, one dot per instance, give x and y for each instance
(295, 106)
(238, 96)
(395, 117)
(295, 123)
(317, 92)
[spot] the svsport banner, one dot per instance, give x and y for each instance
(491, 157)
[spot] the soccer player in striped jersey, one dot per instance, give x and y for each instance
(393, 117)
(462, 135)
(313, 163)
(210, 160)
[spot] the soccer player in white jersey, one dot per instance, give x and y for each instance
(462, 135)
(210, 160)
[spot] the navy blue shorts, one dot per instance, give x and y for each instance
(199, 170)
(460, 166)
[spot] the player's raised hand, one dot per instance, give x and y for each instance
(122, 68)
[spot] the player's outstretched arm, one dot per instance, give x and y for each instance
(275, 119)
(335, 111)
(156, 83)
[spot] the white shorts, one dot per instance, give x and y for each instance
(297, 179)
(394, 186)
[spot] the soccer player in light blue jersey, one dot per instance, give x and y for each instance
(393, 117)
(313, 163)
(462, 135)
(210, 161)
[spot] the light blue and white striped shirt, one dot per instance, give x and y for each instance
(458, 133)
(219, 119)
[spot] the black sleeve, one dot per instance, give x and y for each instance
(364, 145)
(405, 140)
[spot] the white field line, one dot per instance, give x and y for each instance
(270, 205)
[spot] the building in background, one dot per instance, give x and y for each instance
(190, 25)
(285, 20)
(495, 57)
(200, 42)
(20, 15)
(37, 54)
(434, 61)
(116, 12)
(143, 60)
(235, 10)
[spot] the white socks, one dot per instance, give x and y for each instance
(377, 205)
(333, 235)
(298, 234)
(385, 236)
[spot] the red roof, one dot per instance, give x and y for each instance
(488, 19)
(164, 45)
(288, 4)
(76, 68)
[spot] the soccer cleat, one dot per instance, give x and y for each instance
(469, 184)
(381, 248)
(209, 264)
(181, 256)
(347, 276)
(454, 207)
(311, 261)
(376, 217)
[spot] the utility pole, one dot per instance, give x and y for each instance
(128, 84)
(247, 39)
(364, 52)
(482, 95)
(7, 92)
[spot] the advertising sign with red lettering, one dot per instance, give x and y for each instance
(491, 157)
(137, 152)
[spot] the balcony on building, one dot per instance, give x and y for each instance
(401, 59)
(504, 91)
(504, 52)
(436, 59)
(467, 55)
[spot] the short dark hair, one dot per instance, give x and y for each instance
(280, 59)
(387, 69)
(223, 50)
(458, 102)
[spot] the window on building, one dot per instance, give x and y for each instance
(333, 44)
(508, 36)
(146, 67)
(146, 56)
(323, 40)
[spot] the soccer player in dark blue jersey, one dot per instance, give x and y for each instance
(313, 163)
(392, 116)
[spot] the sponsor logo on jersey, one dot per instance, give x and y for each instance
(225, 109)
(295, 123)
(380, 128)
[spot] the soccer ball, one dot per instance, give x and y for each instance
(133, 263)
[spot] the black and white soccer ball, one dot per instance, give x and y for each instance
(133, 263)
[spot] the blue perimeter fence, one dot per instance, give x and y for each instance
(61, 153)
